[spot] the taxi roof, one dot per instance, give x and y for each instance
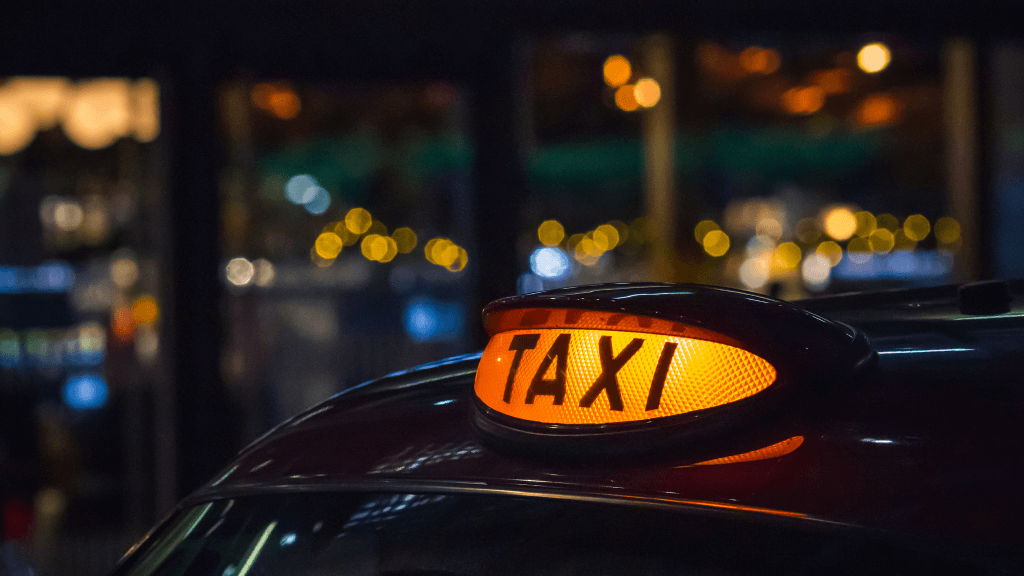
(925, 444)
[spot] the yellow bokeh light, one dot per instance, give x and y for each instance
(881, 240)
(587, 252)
(716, 243)
(461, 259)
(97, 113)
(874, 57)
(625, 98)
(702, 228)
(146, 116)
(866, 223)
(405, 240)
(328, 245)
(17, 125)
(43, 96)
(947, 230)
(840, 223)
(439, 250)
(903, 242)
(318, 260)
(145, 310)
(622, 228)
(373, 246)
(916, 227)
(339, 228)
(617, 70)
(830, 250)
(358, 220)
(448, 256)
(378, 227)
(550, 233)
(573, 241)
(606, 237)
(391, 249)
(647, 92)
(888, 221)
(787, 256)
(428, 248)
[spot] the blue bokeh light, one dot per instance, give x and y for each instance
(319, 200)
(85, 392)
(551, 263)
(428, 320)
(296, 188)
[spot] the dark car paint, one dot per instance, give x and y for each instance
(927, 443)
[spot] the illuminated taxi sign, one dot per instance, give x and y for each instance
(590, 368)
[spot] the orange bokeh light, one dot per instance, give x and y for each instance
(878, 109)
(123, 323)
(625, 98)
(803, 99)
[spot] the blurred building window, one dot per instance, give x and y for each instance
(80, 310)
(770, 163)
(347, 236)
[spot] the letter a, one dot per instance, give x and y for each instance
(556, 386)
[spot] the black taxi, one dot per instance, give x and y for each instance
(648, 429)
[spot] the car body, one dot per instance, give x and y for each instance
(902, 453)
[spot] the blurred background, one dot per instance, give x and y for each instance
(214, 216)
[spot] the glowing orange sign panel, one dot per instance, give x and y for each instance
(589, 374)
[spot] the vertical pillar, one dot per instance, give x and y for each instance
(659, 147)
(205, 436)
(962, 151)
(498, 174)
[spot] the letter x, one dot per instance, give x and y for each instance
(610, 366)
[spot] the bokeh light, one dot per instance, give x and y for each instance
(877, 110)
(405, 240)
(617, 70)
(300, 188)
(786, 256)
(874, 57)
(916, 227)
(17, 124)
(124, 271)
(840, 223)
(390, 249)
(866, 223)
(319, 200)
(881, 240)
(830, 250)
(947, 230)
(816, 271)
(625, 98)
(606, 237)
(358, 220)
(647, 92)
(328, 245)
(97, 113)
(85, 392)
(239, 271)
(758, 60)
(803, 99)
(550, 263)
(754, 272)
(702, 228)
(808, 231)
(264, 272)
(145, 310)
(550, 233)
(859, 250)
(887, 221)
(716, 243)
